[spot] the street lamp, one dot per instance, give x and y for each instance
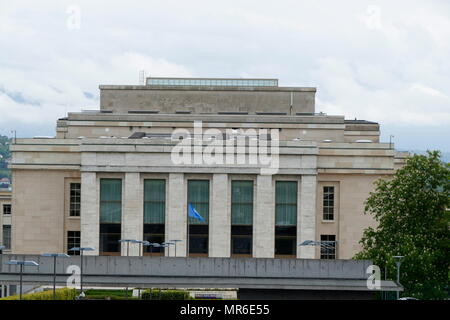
(141, 243)
(128, 241)
(175, 242)
(398, 261)
(326, 244)
(55, 255)
(22, 264)
(151, 245)
(81, 250)
(167, 245)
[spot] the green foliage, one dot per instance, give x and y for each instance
(108, 294)
(413, 221)
(165, 295)
(4, 155)
(61, 294)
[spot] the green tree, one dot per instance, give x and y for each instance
(412, 211)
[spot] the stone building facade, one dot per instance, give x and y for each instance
(115, 173)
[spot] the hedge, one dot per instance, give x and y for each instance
(165, 295)
(61, 294)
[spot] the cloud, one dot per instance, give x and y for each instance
(378, 60)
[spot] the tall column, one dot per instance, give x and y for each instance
(176, 217)
(306, 229)
(219, 218)
(264, 218)
(90, 212)
(132, 213)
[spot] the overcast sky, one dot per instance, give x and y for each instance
(384, 61)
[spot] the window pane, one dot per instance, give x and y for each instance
(7, 237)
(154, 201)
(286, 203)
(110, 200)
(242, 202)
(198, 197)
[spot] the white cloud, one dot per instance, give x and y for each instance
(374, 59)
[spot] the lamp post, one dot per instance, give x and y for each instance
(167, 245)
(55, 255)
(398, 261)
(175, 242)
(81, 250)
(141, 243)
(323, 244)
(22, 264)
(127, 241)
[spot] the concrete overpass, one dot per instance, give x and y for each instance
(254, 277)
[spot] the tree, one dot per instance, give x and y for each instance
(412, 211)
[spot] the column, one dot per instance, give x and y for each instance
(132, 213)
(220, 218)
(264, 218)
(306, 229)
(176, 217)
(90, 212)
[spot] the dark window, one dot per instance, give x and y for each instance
(154, 214)
(198, 239)
(75, 199)
(242, 217)
(286, 195)
(285, 240)
(73, 241)
(110, 216)
(327, 246)
(7, 236)
(198, 198)
(241, 240)
(6, 209)
(109, 238)
(328, 203)
(154, 233)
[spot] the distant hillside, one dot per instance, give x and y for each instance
(5, 155)
(445, 156)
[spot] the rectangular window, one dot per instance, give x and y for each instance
(110, 216)
(75, 199)
(198, 198)
(327, 246)
(7, 237)
(73, 241)
(286, 195)
(241, 217)
(328, 203)
(6, 209)
(154, 214)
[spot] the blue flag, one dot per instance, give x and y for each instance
(194, 214)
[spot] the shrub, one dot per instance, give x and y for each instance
(61, 294)
(165, 295)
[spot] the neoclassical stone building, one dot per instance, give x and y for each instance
(253, 159)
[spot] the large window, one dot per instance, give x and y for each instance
(110, 216)
(154, 214)
(286, 218)
(241, 217)
(327, 246)
(73, 241)
(7, 237)
(75, 199)
(328, 203)
(6, 209)
(198, 198)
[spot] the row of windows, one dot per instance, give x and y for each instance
(242, 202)
(213, 82)
(198, 194)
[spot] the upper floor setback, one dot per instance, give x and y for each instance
(208, 96)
